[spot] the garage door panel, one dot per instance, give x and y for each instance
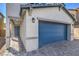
(51, 32)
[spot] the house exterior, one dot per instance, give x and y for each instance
(40, 24)
(75, 13)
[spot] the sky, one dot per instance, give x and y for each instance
(71, 5)
(3, 8)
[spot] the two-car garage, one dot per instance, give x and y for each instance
(45, 25)
(50, 32)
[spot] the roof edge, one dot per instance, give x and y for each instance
(69, 14)
(21, 8)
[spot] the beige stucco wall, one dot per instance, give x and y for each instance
(47, 14)
(52, 14)
(29, 33)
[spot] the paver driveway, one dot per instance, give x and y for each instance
(63, 48)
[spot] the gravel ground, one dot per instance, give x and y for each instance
(2, 42)
(2, 45)
(63, 48)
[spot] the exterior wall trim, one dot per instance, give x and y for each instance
(32, 38)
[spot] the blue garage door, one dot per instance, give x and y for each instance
(51, 32)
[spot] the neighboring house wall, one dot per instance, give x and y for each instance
(75, 12)
(76, 29)
(76, 26)
(13, 9)
(46, 14)
(76, 33)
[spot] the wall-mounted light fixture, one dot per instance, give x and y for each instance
(33, 20)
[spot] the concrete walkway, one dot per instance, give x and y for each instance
(63, 48)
